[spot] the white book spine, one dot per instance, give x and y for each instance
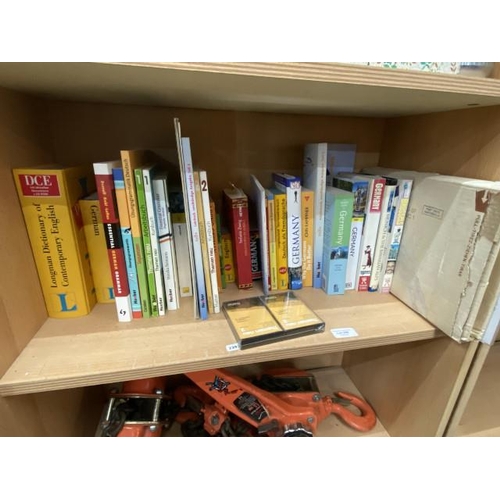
(155, 242)
(354, 246)
(166, 242)
(396, 233)
(182, 259)
(381, 247)
(205, 199)
(314, 177)
(370, 231)
(193, 224)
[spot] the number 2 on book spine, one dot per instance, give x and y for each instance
(204, 185)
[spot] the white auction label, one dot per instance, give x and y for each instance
(232, 347)
(344, 333)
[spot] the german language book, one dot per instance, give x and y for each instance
(396, 228)
(314, 178)
(281, 238)
(182, 254)
(193, 227)
(146, 240)
(148, 174)
(166, 239)
(271, 238)
(307, 236)
(98, 251)
(270, 318)
(376, 186)
(389, 205)
(216, 238)
(291, 185)
(128, 243)
(260, 254)
(236, 211)
(207, 241)
(49, 199)
(359, 188)
(111, 222)
(132, 159)
(338, 216)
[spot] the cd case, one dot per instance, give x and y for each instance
(270, 318)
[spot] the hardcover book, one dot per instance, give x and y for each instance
(338, 216)
(291, 186)
(270, 318)
(111, 222)
(49, 199)
(98, 251)
(236, 209)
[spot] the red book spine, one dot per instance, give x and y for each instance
(240, 229)
(107, 200)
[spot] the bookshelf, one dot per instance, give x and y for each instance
(242, 118)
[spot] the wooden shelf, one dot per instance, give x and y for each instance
(481, 417)
(314, 88)
(96, 349)
(329, 380)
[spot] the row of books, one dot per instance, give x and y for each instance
(359, 220)
(121, 232)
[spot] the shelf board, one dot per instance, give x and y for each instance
(329, 380)
(313, 88)
(482, 415)
(96, 349)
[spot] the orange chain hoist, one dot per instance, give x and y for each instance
(280, 403)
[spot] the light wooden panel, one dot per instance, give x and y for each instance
(317, 88)
(23, 141)
(98, 349)
(413, 386)
(478, 412)
(229, 145)
(463, 143)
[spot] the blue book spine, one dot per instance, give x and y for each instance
(338, 217)
(192, 213)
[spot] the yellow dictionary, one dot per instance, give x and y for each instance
(281, 238)
(49, 199)
(307, 236)
(98, 251)
(227, 257)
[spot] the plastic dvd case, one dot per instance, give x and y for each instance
(270, 318)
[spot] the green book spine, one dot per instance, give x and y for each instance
(146, 240)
